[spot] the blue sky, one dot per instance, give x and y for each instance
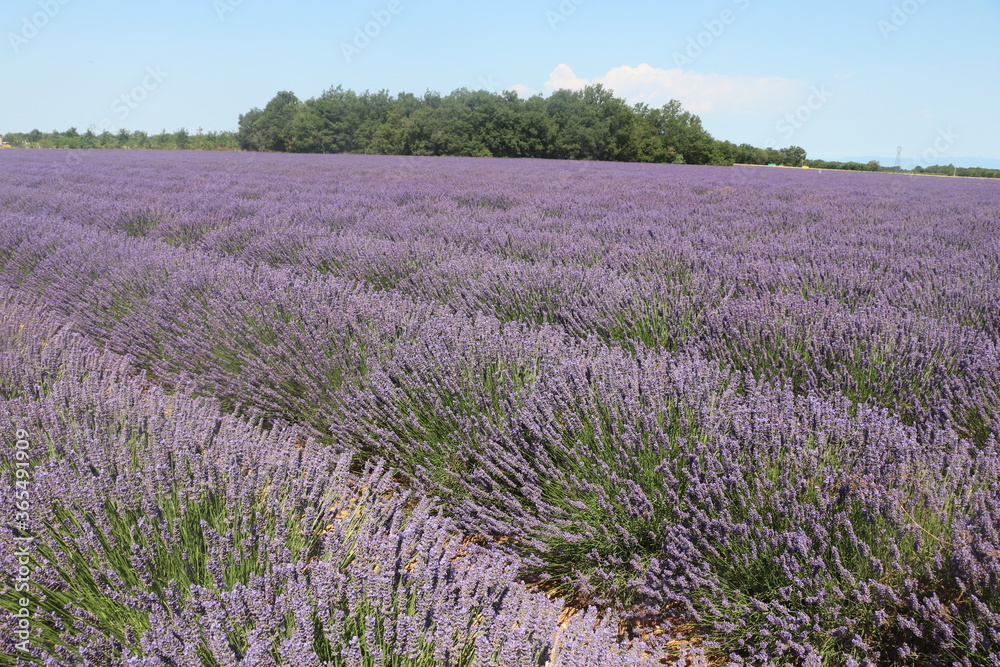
(840, 79)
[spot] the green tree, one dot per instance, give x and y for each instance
(681, 132)
(265, 130)
(793, 156)
(587, 124)
(724, 153)
(307, 131)
(249, 136)
(106, 140)
(535, 128)
(164, 140)
(340, 113)
(570, 139)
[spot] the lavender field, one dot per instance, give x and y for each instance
(381, 411)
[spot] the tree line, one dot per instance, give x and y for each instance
(72, 138)
(937, 170)
(587, 124)
(951, 170)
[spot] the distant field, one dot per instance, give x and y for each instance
(355, 410)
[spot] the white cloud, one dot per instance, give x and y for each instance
(522, 90)
(563, 77)
(699, 93)
(928, 114)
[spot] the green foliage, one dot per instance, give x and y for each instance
(793, 156)
(123, 138)
(202, 526)
(934, 170)
(848, 166)
(267, 130)
(587, 124)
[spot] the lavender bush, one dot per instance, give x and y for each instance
(751, 413)
(168, 534)
(666, 483)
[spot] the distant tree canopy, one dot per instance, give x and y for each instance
(71, 138)
(936, 170)
(951, 170)
(587, 124)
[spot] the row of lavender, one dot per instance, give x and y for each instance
(891, 239)
(168, 533)
(530, 390)
(883, 290)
